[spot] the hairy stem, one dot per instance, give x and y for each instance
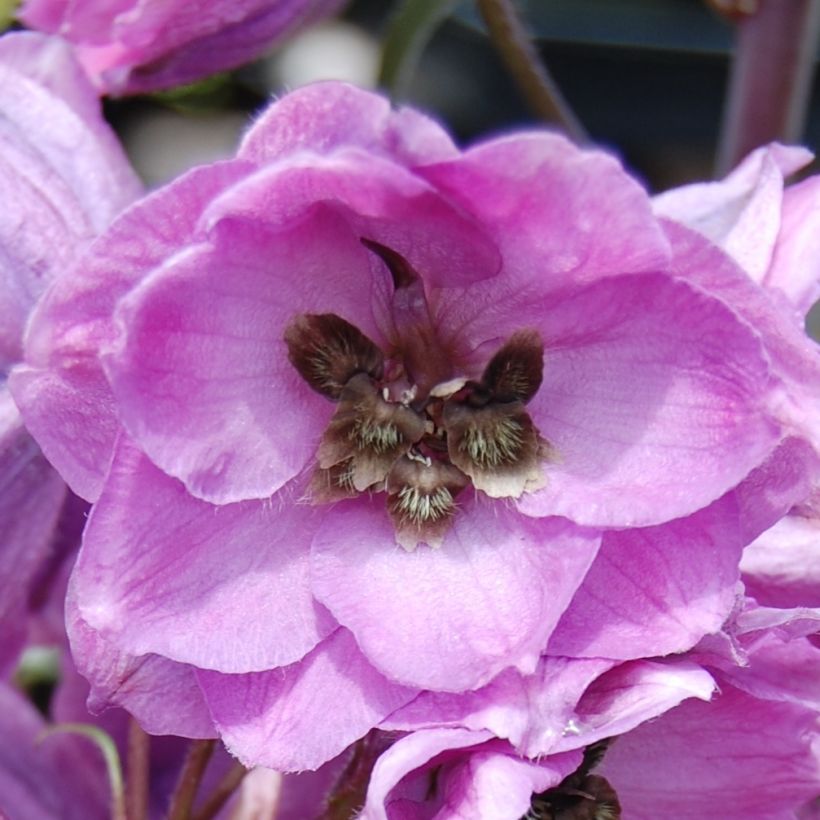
(220, 795)
(137, 771)
(182, 800)
(770, 78)
(348, 795)
(537, 86)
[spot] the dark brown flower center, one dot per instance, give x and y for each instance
(408, 424)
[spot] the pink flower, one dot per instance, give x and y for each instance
(366, 416)
(63, 179)
(134, 46)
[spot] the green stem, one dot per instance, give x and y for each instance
(770, 78)
(182, 800)
(537, 86)
(224, 789)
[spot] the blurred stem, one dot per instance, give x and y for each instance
(220, 795)
(770, 78)
(411, 28)
(182, 800)
(350, 791)
(137, 771)
(539, 89)
(109, 751)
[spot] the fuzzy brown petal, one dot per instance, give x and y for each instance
(421, 500)
(517, 369)
(369, 432)
(496, 445)
(328, 351)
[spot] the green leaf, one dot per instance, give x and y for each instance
(411, 28)
(106, 745)
(8, 10)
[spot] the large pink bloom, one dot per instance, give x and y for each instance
(134, 46)
(499, 352)
(63, 177)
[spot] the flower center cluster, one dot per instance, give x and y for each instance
(420, 447)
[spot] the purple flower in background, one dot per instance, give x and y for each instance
(144, 45)
(64, 177)
(366, 416)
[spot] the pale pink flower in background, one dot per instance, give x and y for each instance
(135, 46)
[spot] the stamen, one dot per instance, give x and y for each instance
(516, 371)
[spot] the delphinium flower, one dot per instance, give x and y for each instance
(373, 417)
(145, 45)
(64, 177)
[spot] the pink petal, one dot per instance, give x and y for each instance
(202, 374)
(41, 779)
(484, 781)
(62, 392)
(740, 213)
(794, 357)
(162, 572)
(449, 618)
(555, 212)
(655, 590)
(531, 711)
(734, 758)
(649, 424)
(326, 116)
(163, 696)
(782, 567)
(794, 269)
(379, 200)
(300, 717)
(631, 694)
(31, 495)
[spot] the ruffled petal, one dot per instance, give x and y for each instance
(162, 572)
(531, 711)
(31, 494)
(734, 758)
(631, 694)
(61, 390)
(325, 116)
(556, 212)
(795, 269)
(741, 213)
(163, 696)
(300, 717)
(782, 567)
(449, 618)
(655, 590)
(646, 421)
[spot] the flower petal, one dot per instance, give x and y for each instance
(740, 213)
(325, 116)
(794, 269)
(162, 572)
(631, 694)
(201, 371)
(531, 711)
(163, 696)
(300, 717)
(555, 212)
(31, 494)
(655, 590)
(734, 758)
(449, 618)
(62, 391)
(782, 567)
(647, 422)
